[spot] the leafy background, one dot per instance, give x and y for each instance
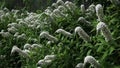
(69, 51)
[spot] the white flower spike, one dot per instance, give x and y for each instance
(60, 2)
(101, 26)
(43, 62)
(21, 52)
(36, 46)
(55, 5)
(99, 12)
(12, 29)
(58, 13)
(47, 60)
(5, 34)
(92, 61)
(80, 65)
(83, 20)
(68, 34)
(27, 46)
(48, 36)
(91, 9)
(62, 8)
(82, 8)
(50, 57)
(82, 33)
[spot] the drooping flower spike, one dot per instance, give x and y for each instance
(60, 2)
(91, 9)
(48, 36)
(55, 5)
(21, 52)
(82, 34)
(83, 20)
(92, 61)
(99, 12)
(82, 8)
(47, 60)
(80, 65)
(68, 34)
(101, 26)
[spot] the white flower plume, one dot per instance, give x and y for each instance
(68, 34)
(83, 20)
(80, 65)
(82, 33)
(92, 61)
(60, 2)
(99, 12)
(101, 26)
(48, 36)
(21, 52)
(50, 57)
(82, 8)
(47, 60)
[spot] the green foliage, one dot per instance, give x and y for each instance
(69, 51)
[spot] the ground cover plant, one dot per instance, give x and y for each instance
(62, 36)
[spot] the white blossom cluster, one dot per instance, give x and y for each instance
(7, 14)
(4, 14)
(101, 26)
(70, 6)
(5, 34)
(89, 59)
(38, 21)
(83, 20)
(31, 46)
(32, 20)
(59, 8)
(20, 36)
(46, 61)
(89, 11)
(82, 34)
(24, 53)
(82, 8)
(12, 29)
(48, 36)
(99, 12)
(68, 34)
